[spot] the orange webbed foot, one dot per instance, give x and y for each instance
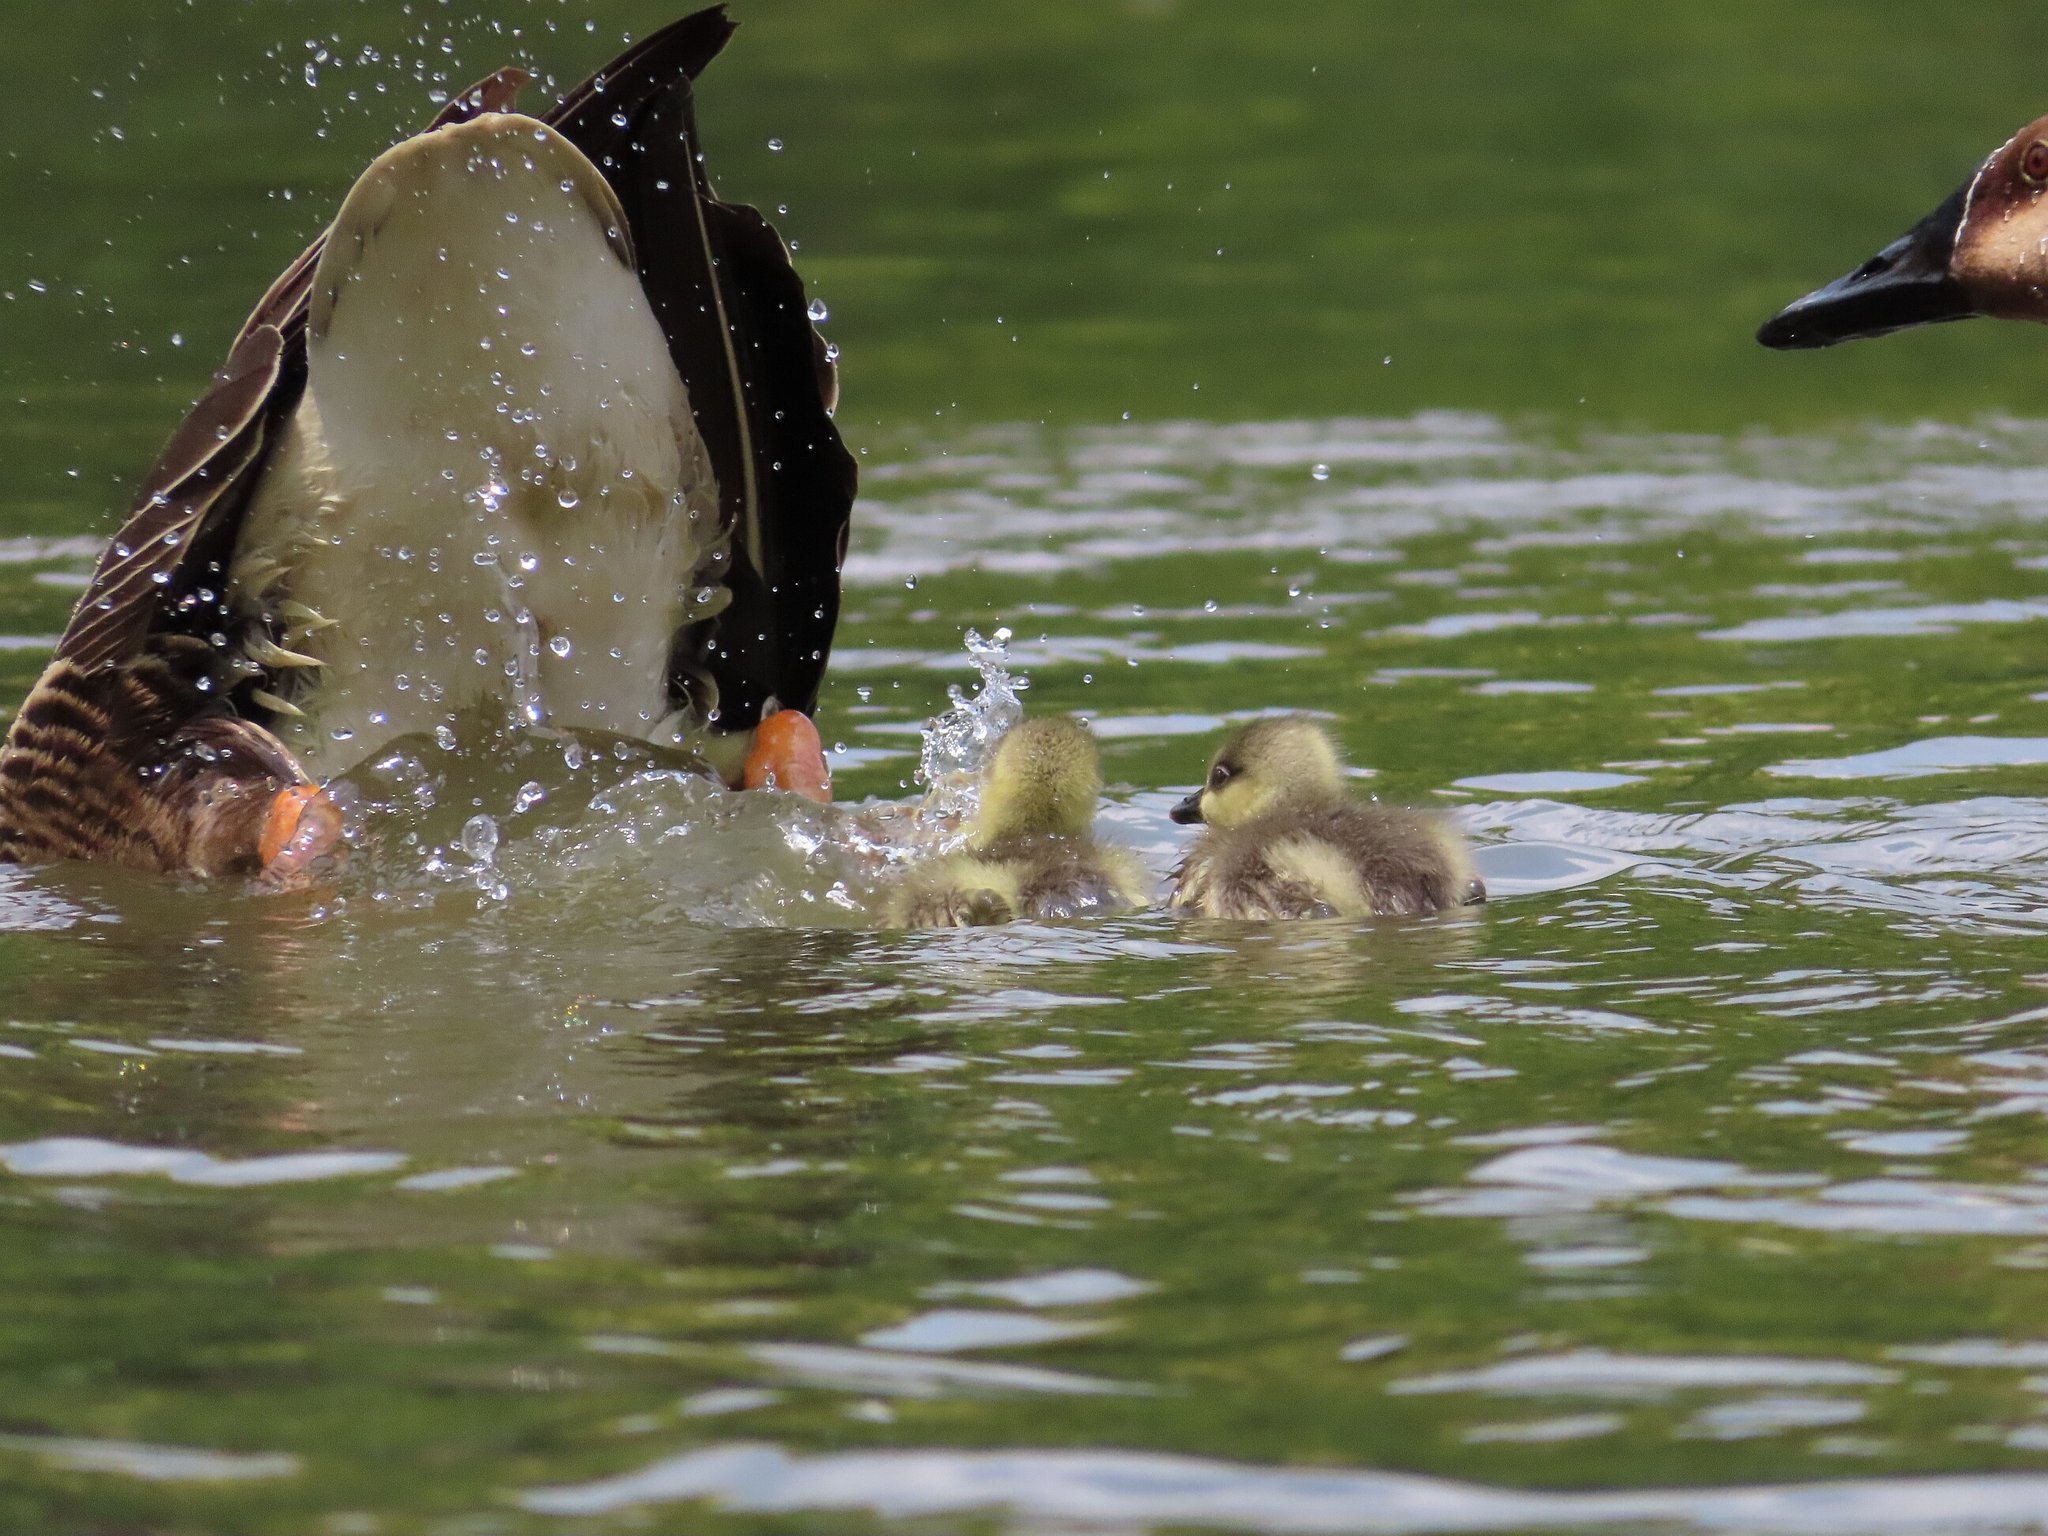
(301, 832)
(788, 754)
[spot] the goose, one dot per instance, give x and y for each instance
(537, 436)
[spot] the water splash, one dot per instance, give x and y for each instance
(958, 743)
(537, 827)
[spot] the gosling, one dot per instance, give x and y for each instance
(1031, 849)
(1286, 840)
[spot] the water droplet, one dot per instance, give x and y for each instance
(1320, 472)
(480, 838)
(560, 646)
(818, 312)
(775, 146)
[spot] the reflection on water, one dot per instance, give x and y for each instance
(1080, 1490)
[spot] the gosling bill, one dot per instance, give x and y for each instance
(1285, 838)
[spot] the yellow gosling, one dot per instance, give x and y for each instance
(1031, 849)
(1286, 839)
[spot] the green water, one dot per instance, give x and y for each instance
(1698, 1182)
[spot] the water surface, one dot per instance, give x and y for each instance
(609, 1174)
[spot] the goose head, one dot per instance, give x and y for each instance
(1983, 251)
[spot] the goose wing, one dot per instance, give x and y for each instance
(761, 385)
(207, 463)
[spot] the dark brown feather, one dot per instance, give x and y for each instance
(136, 583)
(776, 637)
(761, 387)
(682, 48)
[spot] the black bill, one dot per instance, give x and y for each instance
(1189, 811)
(1905, 284)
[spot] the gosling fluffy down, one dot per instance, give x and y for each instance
(1284, 839)
(1031, 849)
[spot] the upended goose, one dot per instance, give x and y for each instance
(1983, 251)
(536, 436)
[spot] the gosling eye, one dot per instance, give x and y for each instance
(2034, 163)
(1220, 775)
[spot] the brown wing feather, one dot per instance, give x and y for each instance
(208, 458)
(681, 49)
(795, 537)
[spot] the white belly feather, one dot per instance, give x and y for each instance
(492, 503)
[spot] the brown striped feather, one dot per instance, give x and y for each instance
(137, 765)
